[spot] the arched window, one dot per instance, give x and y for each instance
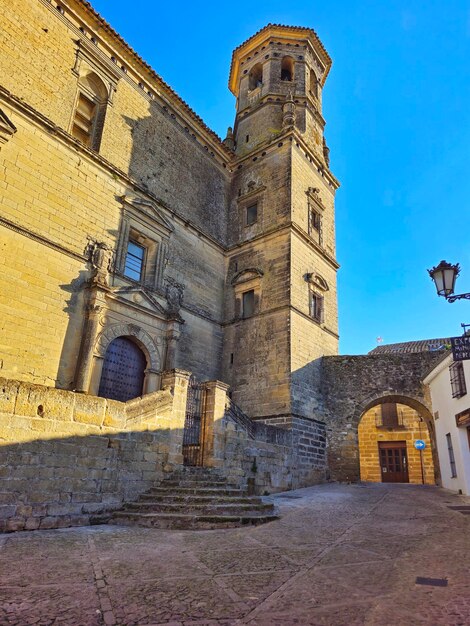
(255, 77)
(123, 373)
(287, 69)
(313, 84)
(89, 111)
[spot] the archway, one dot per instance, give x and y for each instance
(123, 373)
(388, 428)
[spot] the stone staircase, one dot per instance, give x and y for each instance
(195, 498)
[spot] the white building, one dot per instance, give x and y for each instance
(451, 406)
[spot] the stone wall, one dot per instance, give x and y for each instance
(352, 384)
(58, 198)
(287, 453)
(65, 457)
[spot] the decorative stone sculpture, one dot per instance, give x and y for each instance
(100, 259)
(229, 140)
(174, 297)
(326, 153)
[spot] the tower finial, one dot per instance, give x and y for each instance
(229, 140)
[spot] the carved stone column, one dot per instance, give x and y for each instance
(172, 338)
(96, 305)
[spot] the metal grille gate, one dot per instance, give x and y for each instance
(193, 440)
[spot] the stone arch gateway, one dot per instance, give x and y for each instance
(351, 385)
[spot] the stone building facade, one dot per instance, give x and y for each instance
(130, 231)
(134, 242)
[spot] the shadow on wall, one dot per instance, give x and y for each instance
(55, 483)
(76, 302)
(74, 307)
(66, 457)
(169, 161)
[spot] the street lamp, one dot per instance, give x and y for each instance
(444, 276)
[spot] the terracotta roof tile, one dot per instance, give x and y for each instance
(408, 347)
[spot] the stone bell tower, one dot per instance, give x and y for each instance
(281, 308)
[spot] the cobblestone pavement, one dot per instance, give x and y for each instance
(341, 555)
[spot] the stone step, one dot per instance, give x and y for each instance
(197, 491)
(150, 497)
(194, 498)
(195, 473)
(214, 508)
(190, 521)
(195, 483)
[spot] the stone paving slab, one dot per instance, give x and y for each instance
(341, 555)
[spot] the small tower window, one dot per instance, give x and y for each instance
(316, 306)
(314, 224)
(255, 77)
(287, 69)
(248, 303)
(88, 119)
(251, 214)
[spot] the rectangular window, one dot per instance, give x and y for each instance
(457, 380)
(248, 303)
(84, 119)
(251, 214)
(389, 415)
(134, 261)
(314, 225)
(450, 449)
(316, 306)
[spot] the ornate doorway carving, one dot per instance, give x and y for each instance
(122, 377)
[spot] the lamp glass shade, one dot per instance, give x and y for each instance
(444, 276)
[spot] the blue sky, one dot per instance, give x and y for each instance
(397, 106)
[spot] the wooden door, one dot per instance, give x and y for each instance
(393, 461)
(123, 372)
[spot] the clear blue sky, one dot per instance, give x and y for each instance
(397, 106)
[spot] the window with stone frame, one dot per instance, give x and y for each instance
(250, 209)
(251, 214)
(457, 380)
(248, 303)
(318, 287)
(143, 242)
(315, 209)
(247, 292)
(90, 109)
(314, 224)
(97, 78)
(317, 306)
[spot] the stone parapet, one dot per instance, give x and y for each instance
(66, 457)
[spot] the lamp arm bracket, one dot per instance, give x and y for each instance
(460, 296)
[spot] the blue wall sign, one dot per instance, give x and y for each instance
(420, 444)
